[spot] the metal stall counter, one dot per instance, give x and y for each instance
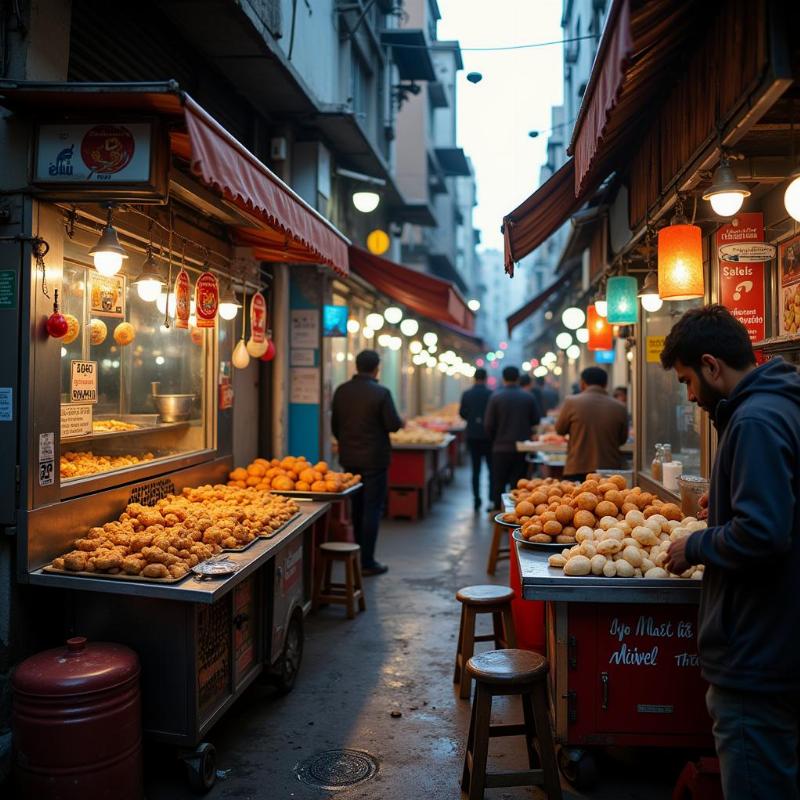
(624, 668)
(415, 475)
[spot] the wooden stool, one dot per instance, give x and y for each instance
(494, 600)
(499, 549)
(510, 672)
(347, 593)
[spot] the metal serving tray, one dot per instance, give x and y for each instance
(411, 446)
(319, 496)
(148, 423)
(108, 576)
(283, 527)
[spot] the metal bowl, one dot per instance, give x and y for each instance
(173, 407)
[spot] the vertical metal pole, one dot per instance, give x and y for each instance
(280, 364)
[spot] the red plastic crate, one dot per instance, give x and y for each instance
(404, 502)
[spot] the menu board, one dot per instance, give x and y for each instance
(789, 301)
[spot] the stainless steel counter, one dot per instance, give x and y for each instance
(418, 446)
(191, 590)
(542, 582)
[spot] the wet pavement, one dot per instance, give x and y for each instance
(382, 684)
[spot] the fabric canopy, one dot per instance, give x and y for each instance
(532, 306)
(428, 296)
(285, 227)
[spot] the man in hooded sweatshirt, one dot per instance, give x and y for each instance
(749, 615)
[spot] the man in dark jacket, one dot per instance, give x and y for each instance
(473, 410)
(750, 607)
(510, 416)
(363, 415)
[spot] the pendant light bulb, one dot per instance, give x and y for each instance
(651, 301)
(573, 317)
(228, 304)
(726, 194)
(791, 197)
(108, 253)
(601, 307)
(148, 283)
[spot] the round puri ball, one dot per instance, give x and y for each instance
(525, 508)
(605, 508)
(552, 527)
(586, 501)
(124, 333)
(584, 517)
(564, 514)
(671, 511)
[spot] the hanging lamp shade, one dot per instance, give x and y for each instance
(600, 333)
(623, 302)
(680, 262)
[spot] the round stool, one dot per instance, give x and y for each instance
(510, 672)
(494, 600)
(347, 593)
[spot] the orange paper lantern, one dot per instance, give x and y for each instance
(680, 262)
(600, 333)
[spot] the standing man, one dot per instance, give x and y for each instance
(363, 416)
(546, 395)
(473, 410)
(597, 426)
(510, 416)
(750, 605)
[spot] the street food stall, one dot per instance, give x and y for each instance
(129, 307)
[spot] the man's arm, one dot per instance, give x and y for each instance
(762, 499)
(335, 415)
(391, 419)
(489, 417)
(563, 421)
(462, 410)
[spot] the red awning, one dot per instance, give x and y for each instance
(289, 230)
(434, 298)
(541, 215)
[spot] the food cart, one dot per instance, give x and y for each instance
(415, 476)
(126, 397)
(623, 659)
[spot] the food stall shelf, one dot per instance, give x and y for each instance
(144, 428)
(190, 590)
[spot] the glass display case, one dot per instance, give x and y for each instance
(133, 392)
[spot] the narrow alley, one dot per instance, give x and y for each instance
(395, 657)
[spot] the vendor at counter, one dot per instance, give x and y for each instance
(750, 606)
(363, 416)
(597, 426)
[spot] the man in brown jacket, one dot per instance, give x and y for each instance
(597, 426)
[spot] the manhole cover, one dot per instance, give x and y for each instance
(337, 769)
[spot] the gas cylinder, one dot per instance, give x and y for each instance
(76, 723)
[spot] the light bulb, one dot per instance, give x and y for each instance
(540, 372)
(557, 371)
(228, 310)
(241, 358)
(375, 321)
(791, 197)
(526, 366)
(573, 318)
(409, 327)
(563, 340)
(430, 338)
(366, 202)
(726, 204)
(474, 305)
(393, 315)
(107, 263)
(651, 302)
(161, 303)
(384, 339)
(415, 347)
(432, 348)
(601, 307)
(499, 355)
(353, 326)
(573, 351)
(582, 335)
(148, 289)
(395, 343)
(368, 333)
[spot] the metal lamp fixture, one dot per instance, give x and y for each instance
(726, 194)
(108, 253)
(651, 300)
(228, 304)
(148, 282)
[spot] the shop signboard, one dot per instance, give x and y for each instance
(305, 327)
(8, 288)
(76, 420)
(742, 255)
(101, 158)
(789, 301)
(654, 346)
(334, 321)
(304, 387)
(206, 299)
(83, 383)
(107, 295)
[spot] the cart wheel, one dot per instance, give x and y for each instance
(578, 767)
(201, 767)
(286, 668)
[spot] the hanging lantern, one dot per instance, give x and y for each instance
(680, 262)
(623, 304)
(183, 300)
(206, 292)
(57, 324)
(600, 333)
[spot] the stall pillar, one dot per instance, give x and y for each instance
(304, 347)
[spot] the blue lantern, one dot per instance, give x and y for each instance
(623, 303)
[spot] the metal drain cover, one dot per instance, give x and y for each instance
(337, 769)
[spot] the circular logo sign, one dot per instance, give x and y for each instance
(748, 252)
(107, 149)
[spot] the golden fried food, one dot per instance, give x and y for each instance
(124, 333)
(97, 331)
(76, 464)
(112, 426)
(73, 329)
(155, 571)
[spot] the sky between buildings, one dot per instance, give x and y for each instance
(514, 97)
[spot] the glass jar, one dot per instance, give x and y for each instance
(692, 488)
(666, 453)
(657, 464)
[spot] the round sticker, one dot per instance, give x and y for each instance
(107, 149)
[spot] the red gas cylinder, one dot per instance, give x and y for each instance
(76, 723)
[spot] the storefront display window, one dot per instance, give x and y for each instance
(132, 390)
(667, 415)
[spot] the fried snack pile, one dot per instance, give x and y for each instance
(554, 511)
(166, 540)
(292, 474)
(416, 434)
(633, 547)
(112, 425)
(77, 464)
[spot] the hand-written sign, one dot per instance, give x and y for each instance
(654, 346)
(647, 628)
(76, 420)
(83, 383)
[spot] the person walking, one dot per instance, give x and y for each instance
(510, 416)
(546, 394)
(363, 415)
(597, 426)
(473, 410)
(750, 605)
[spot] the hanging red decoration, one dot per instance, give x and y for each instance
(270, 351)
(206, 292)
(600, 333)
(57, 325)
